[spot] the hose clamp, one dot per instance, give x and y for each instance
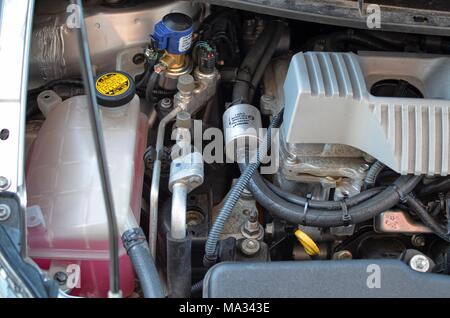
(133, 237)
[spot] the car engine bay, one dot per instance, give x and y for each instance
(247, 154)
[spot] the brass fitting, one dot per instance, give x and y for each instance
(173, 62)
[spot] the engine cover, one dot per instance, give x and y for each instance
(327, 101)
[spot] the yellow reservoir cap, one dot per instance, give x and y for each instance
(114, 89)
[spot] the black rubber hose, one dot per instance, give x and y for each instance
(153, 80)
(295, 214)
(417, 207)
(197, 287)
(324, 205)
(265, 60)
(137, 248)
(372, 174)
(179, 267)
(56, 82)
(440, 186)
(249, 65)
(357, 38)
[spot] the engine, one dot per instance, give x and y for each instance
(237, 145)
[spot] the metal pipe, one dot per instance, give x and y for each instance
(96, 126)
(154, 190)
(179, 209)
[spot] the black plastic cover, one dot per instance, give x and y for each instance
(323, 279)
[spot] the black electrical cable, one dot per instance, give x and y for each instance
(364, 211)
(235, 193)
(96, 126)
(56, 82)
(417, 207)
(439, 186)
(326, 214)
(151, 84)
(359, 38)
(316, 204)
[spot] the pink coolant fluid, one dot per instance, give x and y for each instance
(67, 226)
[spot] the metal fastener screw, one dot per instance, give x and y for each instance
(342, 255)
(184, 120)
(61, 278)
(5, 212)
(4, 183)
(194, 218)
(418, 240)
(251, 229)
(166, 103)
(253, 216)
(419, 263)
(291, 158)
(250, 247)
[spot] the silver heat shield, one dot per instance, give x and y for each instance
(327, 102)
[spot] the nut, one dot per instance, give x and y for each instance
(251, 229)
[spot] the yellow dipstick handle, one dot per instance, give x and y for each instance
(308, 244)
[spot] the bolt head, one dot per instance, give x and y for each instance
(342, 255)
(418, 240)
(250, 247)
(419, 263)
(5, 212)
(61, 278)
(166, 103)
(4, 183)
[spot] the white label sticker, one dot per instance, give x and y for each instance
(185, 43)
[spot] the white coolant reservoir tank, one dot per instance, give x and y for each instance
(64, 182)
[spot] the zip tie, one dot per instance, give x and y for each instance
(305, 209)
(346, 217)
(403, 196)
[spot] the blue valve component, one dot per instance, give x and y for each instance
(174, 33)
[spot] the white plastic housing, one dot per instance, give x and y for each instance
(327, 102)
(63, 179)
